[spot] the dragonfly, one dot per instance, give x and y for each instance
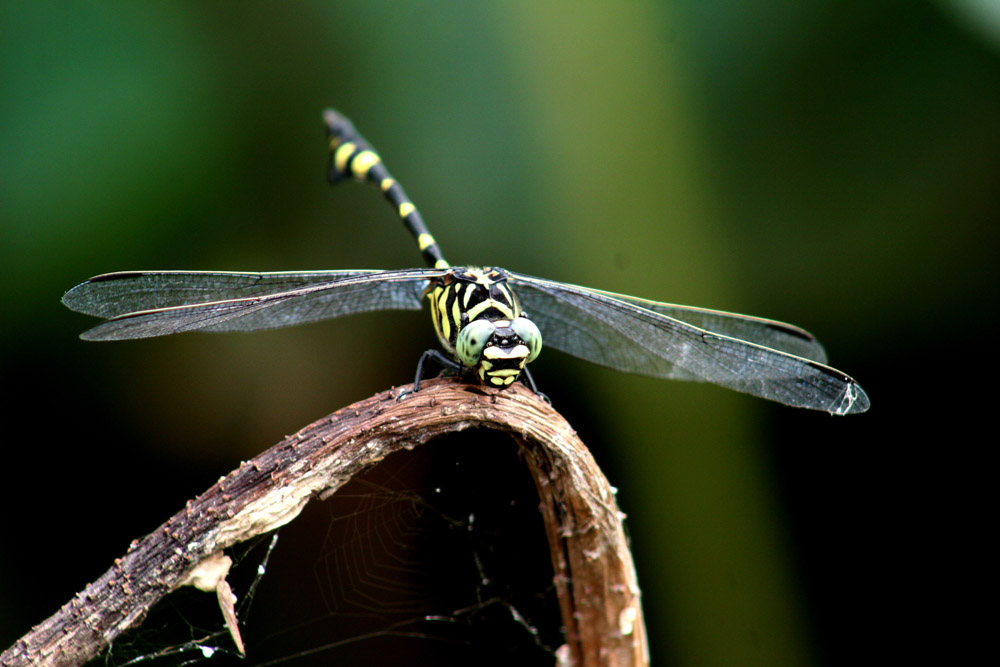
(490, 322)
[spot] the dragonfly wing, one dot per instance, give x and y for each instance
(145, 304)
(617, 332)
(768, 333)
(114, 294)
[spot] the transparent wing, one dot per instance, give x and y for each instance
(768, 333)
(637, 336)
(157, 303)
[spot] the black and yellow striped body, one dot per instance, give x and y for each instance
(467, 294)
(351, 156)
(463, 295)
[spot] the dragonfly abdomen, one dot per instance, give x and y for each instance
(351, 156)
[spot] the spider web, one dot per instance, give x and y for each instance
(435, 556)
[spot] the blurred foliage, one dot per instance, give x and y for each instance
(830, 164)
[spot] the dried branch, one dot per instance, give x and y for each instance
(594, 575)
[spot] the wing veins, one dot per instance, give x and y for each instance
(332, 295)
(663, 346)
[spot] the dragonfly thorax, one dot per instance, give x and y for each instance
(480, 324)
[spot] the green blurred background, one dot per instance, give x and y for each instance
(835, 165)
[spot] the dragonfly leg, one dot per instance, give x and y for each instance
(436, 356)
(534, 387)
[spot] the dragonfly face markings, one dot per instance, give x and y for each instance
(483, 328)
(480, 324)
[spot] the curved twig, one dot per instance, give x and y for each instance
(594, 575)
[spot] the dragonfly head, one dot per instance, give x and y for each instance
(498, 349)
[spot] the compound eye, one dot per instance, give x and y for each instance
(472, 341)
(530, 334)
